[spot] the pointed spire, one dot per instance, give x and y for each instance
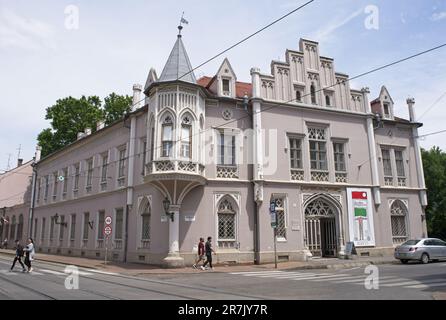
(178, 65)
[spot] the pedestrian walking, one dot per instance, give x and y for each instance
(19, 252)
(5, 243)
(200, 253)
(29, 254)
(208, 251)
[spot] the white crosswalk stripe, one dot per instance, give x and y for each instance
(424, 286)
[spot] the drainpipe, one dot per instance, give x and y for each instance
(131, 162)
(33, 190)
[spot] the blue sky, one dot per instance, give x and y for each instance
(117, 42)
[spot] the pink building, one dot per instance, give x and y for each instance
(213, 156)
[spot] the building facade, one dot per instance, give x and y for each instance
(213, 156)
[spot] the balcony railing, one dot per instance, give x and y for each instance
(341, 177)
(388, 181)
(297, 175)
(319, 176)
(118, 244)
(227, 172)
(163, 166)
(401, 181)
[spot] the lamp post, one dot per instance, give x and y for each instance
(56, 220)
(166, 205)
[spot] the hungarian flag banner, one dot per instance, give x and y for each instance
(360, 195)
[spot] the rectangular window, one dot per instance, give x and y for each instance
(225, 84)
(47, 185)
(52, 229)
(101, 218)
(280, 218)
(39, 181)
(61, 228)
(76, 176)
(144, 156)
(73, 227)
(186, 141)
(42, 230)
(89, 172)
(318, 149)
(35, 229)
(119, 223)
(152, 144)
(295, 153)
(121, 164)
(55, 184)
(226, 150)
(339, 157)
(387, 163)
(167, 140)
(399, 163)
(104, 168)
(86, 225)
(386, 110)
(65, 180)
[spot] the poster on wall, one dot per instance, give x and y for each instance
(360, 217)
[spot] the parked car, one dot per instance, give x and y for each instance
(424, 250)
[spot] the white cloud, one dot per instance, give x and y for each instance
(438, 16)
(323, 34)
(19, 32)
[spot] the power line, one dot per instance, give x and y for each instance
(430, 134)
(432, 105)
(247, 38)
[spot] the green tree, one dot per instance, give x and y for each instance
(115, 107)
(71, 115)
(434, 163)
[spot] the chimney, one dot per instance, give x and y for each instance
(19, 162)
(100, 125)
(137, 88)
(410, 105)
(87, 131)
(38, 153)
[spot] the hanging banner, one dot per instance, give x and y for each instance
(360, 217)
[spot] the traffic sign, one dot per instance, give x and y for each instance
(107, 230)
(108, 220)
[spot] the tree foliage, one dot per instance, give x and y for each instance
(71, 115)
(434, 163)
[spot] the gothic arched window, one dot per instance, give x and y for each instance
(186, 137)
(398, 218)
(167, 136)
(313, 93)
(145, 222)
(226, 216)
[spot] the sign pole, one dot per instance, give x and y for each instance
(275, 248)
(106, 249)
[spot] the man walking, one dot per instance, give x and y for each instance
(18, 256)
(200, 256)
(208, 251)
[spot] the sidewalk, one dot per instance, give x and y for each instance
(144, 269)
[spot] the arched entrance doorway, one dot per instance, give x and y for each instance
(321, 231)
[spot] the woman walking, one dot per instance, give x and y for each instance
(29, 254)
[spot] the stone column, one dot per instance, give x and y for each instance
(173, 259)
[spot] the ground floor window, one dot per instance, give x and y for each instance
(226, 216)
(398, 218)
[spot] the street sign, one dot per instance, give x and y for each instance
(107, 230)
(108, 220)
(272, 206)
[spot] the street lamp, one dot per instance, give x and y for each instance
(166, 205)
(56, 220)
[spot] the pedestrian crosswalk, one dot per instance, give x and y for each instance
(387, 281)
(41, 272)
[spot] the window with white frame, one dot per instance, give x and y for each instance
(76, 176)
(398, 217)
(89, 173)
(387, 167)
(167, 137)
(313, 93)
(61, 228)
(399, 161)
(47, 186)
(386, 108)
(226, 87)
(73, 227)
(145, 224)
(85, 232)
(144, 155)
(339, 156)
(52, 224)
(318, 153)
(152, 144)
(226, 215)
(104, 167)
(42, 230)
(280, 217)
(121, 166)
(39, 186)
(186, 137)
(226, 149)
(35, 228)
(65, 181)
(55, 184)
(295, 153)
(101, 222)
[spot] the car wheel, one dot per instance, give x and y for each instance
(425, 258)
(404, 261)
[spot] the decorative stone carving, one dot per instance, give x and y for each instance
(227, 172)
(297, 175)
(319, 176)
(227, 114)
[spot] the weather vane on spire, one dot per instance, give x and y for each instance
(181, 24)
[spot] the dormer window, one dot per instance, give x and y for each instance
(386, 110)
(226, 87)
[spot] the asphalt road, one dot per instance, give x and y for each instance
(413, 281)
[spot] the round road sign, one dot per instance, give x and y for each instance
(107, 230)
(108, 220)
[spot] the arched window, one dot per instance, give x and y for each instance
(313, 93)
(226, 215)
(186, 137)
(327, 100)
(398, 216)
(20, 227)
(298, 96)
(145, 225)
(13, 229)
(167, 136)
